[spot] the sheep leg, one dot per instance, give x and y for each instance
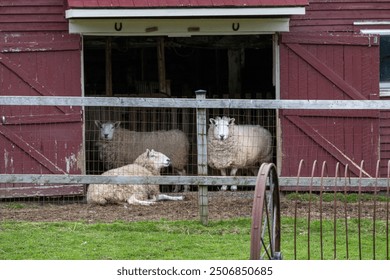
(233, 173)
(132, 200)
(186, 188)
(168, 197)
(223, 173)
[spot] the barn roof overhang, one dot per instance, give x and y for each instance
(181, 18)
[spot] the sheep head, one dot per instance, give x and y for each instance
(221, 127)
(106, 129)
(153, 160)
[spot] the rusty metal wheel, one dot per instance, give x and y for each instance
(265, 230)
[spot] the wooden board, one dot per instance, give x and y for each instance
(39, 58)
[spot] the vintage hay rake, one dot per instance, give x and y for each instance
(371, 224)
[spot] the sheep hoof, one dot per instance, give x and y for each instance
(146, 203)
(168, 197)
(224, 188)
(233, 188)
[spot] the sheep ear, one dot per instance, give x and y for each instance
(149, 153)
(98, 123)
(117, 124)
(214, 121)
(231, 121)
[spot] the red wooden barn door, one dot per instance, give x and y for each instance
(40, 139)
(329, 67)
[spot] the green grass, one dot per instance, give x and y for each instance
(14, 205)
(330, 197)
(125, 240)
(337, 242)
(182, 240)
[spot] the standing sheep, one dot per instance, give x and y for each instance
(236, 146)
(147, 164)
(118, 146)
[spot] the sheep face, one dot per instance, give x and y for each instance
(106, 130)
(157, 159)
(221, 127)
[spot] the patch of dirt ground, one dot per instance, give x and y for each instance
(222, 205)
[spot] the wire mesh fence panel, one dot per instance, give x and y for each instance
(109, 140)
(131, 153)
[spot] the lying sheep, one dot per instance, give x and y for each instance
(147, 164)
(118, 146)
(236, 146)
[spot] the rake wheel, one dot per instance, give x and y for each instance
(265, 229)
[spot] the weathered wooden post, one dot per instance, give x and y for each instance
(201, 128)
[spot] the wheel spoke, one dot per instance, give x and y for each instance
(265, 250)
(265, 231)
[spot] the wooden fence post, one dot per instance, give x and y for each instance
(201, 128)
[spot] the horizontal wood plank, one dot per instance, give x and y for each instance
(194, 103)
(190, 180)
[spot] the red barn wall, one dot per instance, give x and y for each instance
(38, 57)
(325, 56)
(338, 15)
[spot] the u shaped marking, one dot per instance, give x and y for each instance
(235, 26)
(118, 27)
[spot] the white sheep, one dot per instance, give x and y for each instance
(118, 146)
(147, 164)
(237, 146)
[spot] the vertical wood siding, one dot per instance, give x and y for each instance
(324, 56)
(39, 57)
